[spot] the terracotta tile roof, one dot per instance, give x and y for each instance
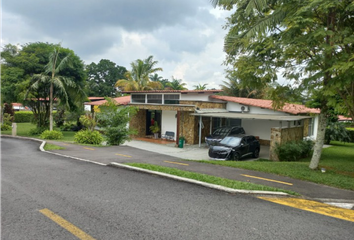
(288, 107)
(343, 118)
(121, 100)
(175, 91)
(17, 104)
(96, 98)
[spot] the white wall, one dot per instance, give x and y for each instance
(195, 97)
(169, 122)
(231, 106)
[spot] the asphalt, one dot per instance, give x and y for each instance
(180, 158)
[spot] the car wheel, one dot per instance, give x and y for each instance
(256, 153)
(235, 156)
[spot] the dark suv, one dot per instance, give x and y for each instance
(222, 132)
(235, 147)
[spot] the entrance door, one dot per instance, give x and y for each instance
(152, 116)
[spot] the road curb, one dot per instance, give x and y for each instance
(209, 185)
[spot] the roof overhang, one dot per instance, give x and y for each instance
(252, 116)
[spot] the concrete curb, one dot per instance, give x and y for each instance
(204, 184)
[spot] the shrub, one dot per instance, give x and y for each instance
(37, 131)
(294, 150)
(5, 127)
(7, 119)
(336, 132)
(117, 135)
(351, 134)
(88, 137)
(51, 135)
(23, 116)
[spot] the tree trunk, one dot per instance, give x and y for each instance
(51, 107)
(2, 114)
(317, 151)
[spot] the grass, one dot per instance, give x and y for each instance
(338, 161)
(49, 146)
(209, 179)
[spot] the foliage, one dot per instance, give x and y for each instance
(52, 135)
(114, 119)
(89, 121)
(7, 119)
(68, 127)
(294, 150)
(23, 116)
(138, 78)
(19, 65)
(155, 128)
(102, 78)
(336, 132)
(88, 137)
(176, 84)
(200, 86)
(5, 127)
(309, 41)
(37, 130)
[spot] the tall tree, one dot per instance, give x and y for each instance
(101, 78)
(138, 78)
(176, 84)
(51, 76)
(310, 40)
(20, 64)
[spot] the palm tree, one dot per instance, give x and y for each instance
(51, 76)
(200, 86)
(138, 78)
(176, 84)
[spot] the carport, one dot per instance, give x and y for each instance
(284, 120)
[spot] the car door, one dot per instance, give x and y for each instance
(244, 148)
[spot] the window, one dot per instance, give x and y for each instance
(138, 98)
(310, 129)
(171, 99)
(154, 98)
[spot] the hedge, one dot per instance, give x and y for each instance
(351, 134)
(23, 116)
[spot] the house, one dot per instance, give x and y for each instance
(195, 114)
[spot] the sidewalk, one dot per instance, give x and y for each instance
(145, 152)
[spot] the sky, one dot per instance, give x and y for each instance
(185, 36)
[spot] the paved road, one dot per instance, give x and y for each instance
(108, 203)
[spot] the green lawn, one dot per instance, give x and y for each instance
(209, 179)
(23, 130)
(338, 161)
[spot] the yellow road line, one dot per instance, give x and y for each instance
(185, 164)
(66, 225)
(266, 179)
(123, 155)
(88, 148)
(65, 144)
(316, 207)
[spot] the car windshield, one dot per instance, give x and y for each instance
(231, 141)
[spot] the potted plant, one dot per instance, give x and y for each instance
(155, 129)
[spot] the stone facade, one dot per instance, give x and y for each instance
(189, 125)
(283, 135)
(138, 122)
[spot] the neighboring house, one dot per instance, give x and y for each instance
(88, 105)
(19, 107)
(194, 114)
(97, 101)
